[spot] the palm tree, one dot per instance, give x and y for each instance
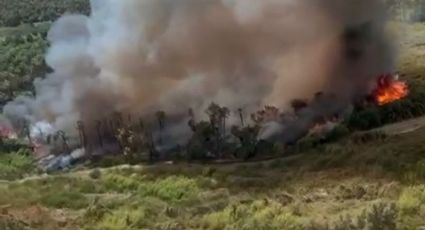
(99, 132)
(82, 134)
(214, 112)
(141, 125)
(224, 114)
(240, 113)
(151, 146)
(130, 119)
(192, 122)
(160, 115)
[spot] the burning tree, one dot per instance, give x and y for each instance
(160, 115)
(247, 137)
(268, 114)
(390, 89)
(241, 116)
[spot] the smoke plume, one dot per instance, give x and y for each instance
(140, 56)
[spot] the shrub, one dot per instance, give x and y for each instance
(95, 174)
(15, 165)
(412, 200)
(337, 133)
(110, 161)
(123, 218)
(364, 119)
(378, 217)
(10, 224)
(173, 189)
(65, 199)
(260, 214)
(119, 183)
(344, 223)
(407, 108)
(414, 173)
(8, 146)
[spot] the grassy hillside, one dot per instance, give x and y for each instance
(365, 177)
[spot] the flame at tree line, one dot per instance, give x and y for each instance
(390, 89)
(137, 57)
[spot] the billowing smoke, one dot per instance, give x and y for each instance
(140, 56)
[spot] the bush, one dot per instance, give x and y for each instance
(365, 119)
(412, 200)
(10, 224)
(414, 173)
(260, 214)
(110, 161)
(70, 200)
(378, 217)
(173, 189)
(141, 214)
(15, 165)
(119, 183)
(337, 133)
(8, 146)
(123, 218)
(407, 108)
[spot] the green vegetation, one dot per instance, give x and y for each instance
(14, 165)
(363, 181)
(21, 61)
(23, 29)
(15, 13)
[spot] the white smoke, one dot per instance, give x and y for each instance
(139, 56)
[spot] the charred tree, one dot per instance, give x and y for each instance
(160, 116)
(99, 133)
(82, 134)
(241, 117)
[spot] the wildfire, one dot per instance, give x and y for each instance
(390, 89)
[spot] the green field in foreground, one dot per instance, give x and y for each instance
(366, 179)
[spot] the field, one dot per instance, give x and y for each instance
(369, 177)
(364, 180)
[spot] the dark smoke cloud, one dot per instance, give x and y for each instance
(139, 56)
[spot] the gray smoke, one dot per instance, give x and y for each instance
(140, 56)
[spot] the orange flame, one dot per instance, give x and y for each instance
(390, 89)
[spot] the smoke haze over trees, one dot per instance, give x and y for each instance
(138, 57)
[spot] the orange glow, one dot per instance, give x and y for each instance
(390, 89)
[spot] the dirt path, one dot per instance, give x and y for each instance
(403, 127)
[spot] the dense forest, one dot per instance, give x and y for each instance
(15, 13)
